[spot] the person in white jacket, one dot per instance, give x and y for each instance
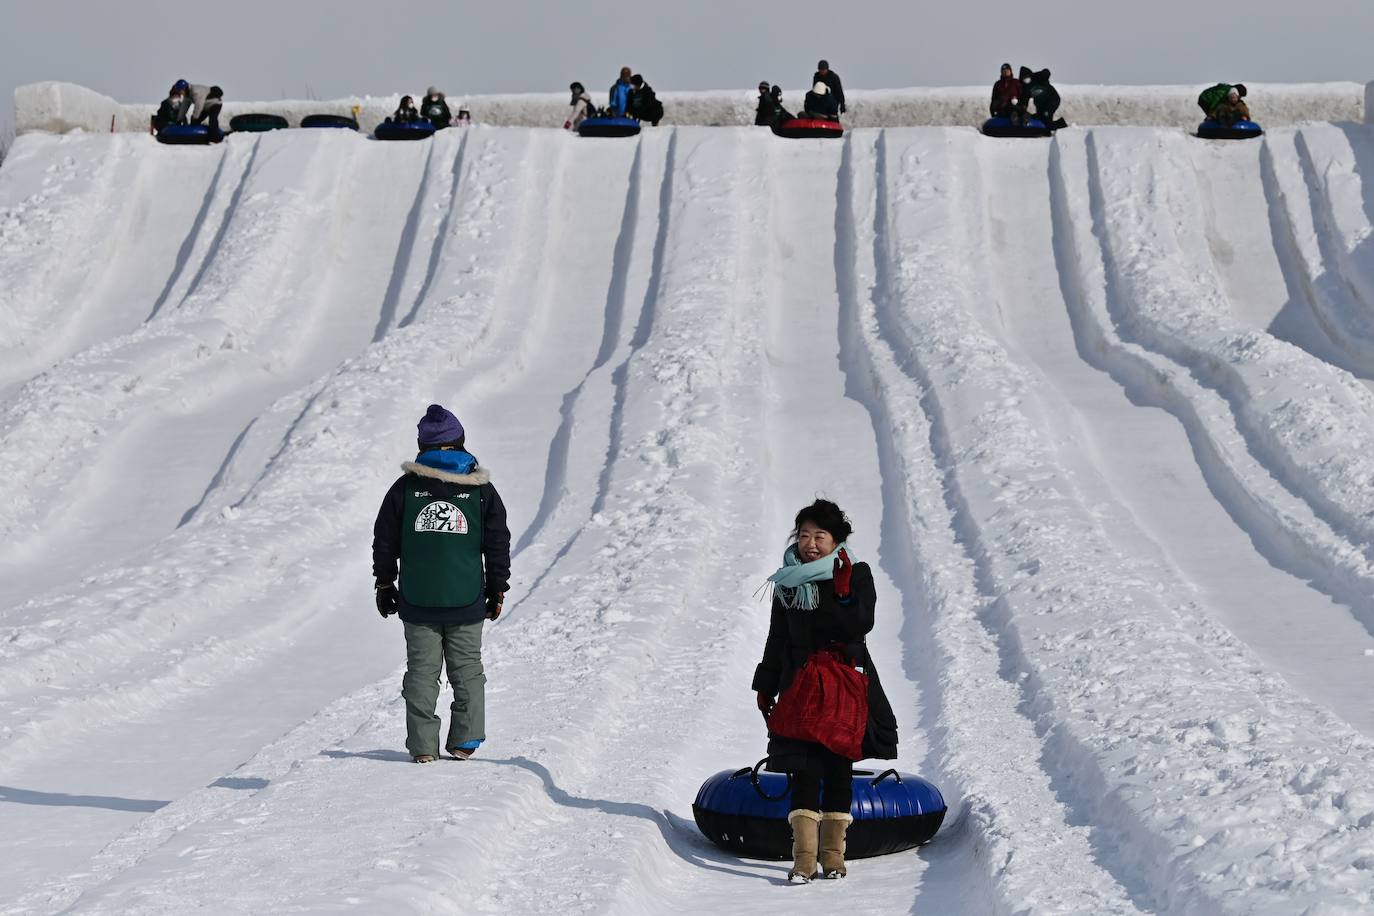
(581, 107)
(201, 104)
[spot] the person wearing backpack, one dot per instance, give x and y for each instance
(444, 524)
(823, 601)
(644, 104)
(582, 108)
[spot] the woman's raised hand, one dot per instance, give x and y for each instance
(843, 570)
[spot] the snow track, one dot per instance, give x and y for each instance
(1098, 407)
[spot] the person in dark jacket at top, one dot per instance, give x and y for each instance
(832, 81)
(173, 108)
(1006, 96)
(770, 112)
(434, 108)
(444, 523)
(644, 104)
(406, 112)
(1035, 87)
(820, 104)
(821, 598)
(620, 95)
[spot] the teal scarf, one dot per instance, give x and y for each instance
(795, 582)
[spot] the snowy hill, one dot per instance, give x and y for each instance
(1100, 408)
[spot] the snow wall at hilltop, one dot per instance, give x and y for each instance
(60, 107)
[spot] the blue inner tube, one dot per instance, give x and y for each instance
(184, 134)
(608, 127)
(1005, 127)
(1241, 130)
(892, 812)
(413, 130)
(329, 120)
(797, 128)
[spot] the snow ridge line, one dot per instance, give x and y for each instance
(555, 477)
(1284, 527)
(979, 708)
(1281, 731)
(140, 619)
(1169, 318)
(212, 194)
(1337, 345)
(1331, 240)
(405, 250)
(674, 427)
(451, 192)
(226, 219)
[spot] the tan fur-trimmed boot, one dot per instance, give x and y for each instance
(834, 824)
(805, 840)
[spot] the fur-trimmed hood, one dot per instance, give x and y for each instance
(474, 478)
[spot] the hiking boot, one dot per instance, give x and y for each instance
(834, 824)
(805, 839)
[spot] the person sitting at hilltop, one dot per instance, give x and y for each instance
(172, 108)
(820, 104)
(1006, 96)
(1035, 87)
(434, 108)
(582, 108)
(620, 95)
(463, 118)
(206, 102)
(1231, 109)
(764, 113)
(1213, 96)
(644, 104)
(832, 82)
(406, 112)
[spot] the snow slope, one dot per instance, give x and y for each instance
(1100, 408)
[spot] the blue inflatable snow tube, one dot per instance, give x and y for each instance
(1241, 130)
(408, 130)
(185, 135)
(745, 811)
(608, 127)
(1006, 127)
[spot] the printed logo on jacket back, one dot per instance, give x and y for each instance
(443, 517)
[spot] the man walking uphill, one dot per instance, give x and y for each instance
(445, 524)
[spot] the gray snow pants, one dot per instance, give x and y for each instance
(429, 648)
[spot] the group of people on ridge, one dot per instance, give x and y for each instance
(1012, 97)
(629, 97)
(441, 561)
(433, 108)
(191, 103)
(823, 102)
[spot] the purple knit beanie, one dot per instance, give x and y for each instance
(439, 427)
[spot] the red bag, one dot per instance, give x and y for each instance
(827, 702)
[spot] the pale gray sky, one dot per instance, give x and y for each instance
(256, 49)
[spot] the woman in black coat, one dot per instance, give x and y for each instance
(821, 599)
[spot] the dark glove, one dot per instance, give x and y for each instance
(765, 704)
(388, 598)
(843, 570)
(494, 603)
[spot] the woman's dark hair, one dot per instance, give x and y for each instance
(461, 443)
(826, 515)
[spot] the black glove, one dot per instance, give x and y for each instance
(766, 704)
(494, 603)
(388, 598)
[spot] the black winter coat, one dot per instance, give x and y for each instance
(831, 80)
(822, 106)
(794, 634)
(644, 104)
(435, 111)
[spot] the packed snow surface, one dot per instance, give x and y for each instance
(1101, 408)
